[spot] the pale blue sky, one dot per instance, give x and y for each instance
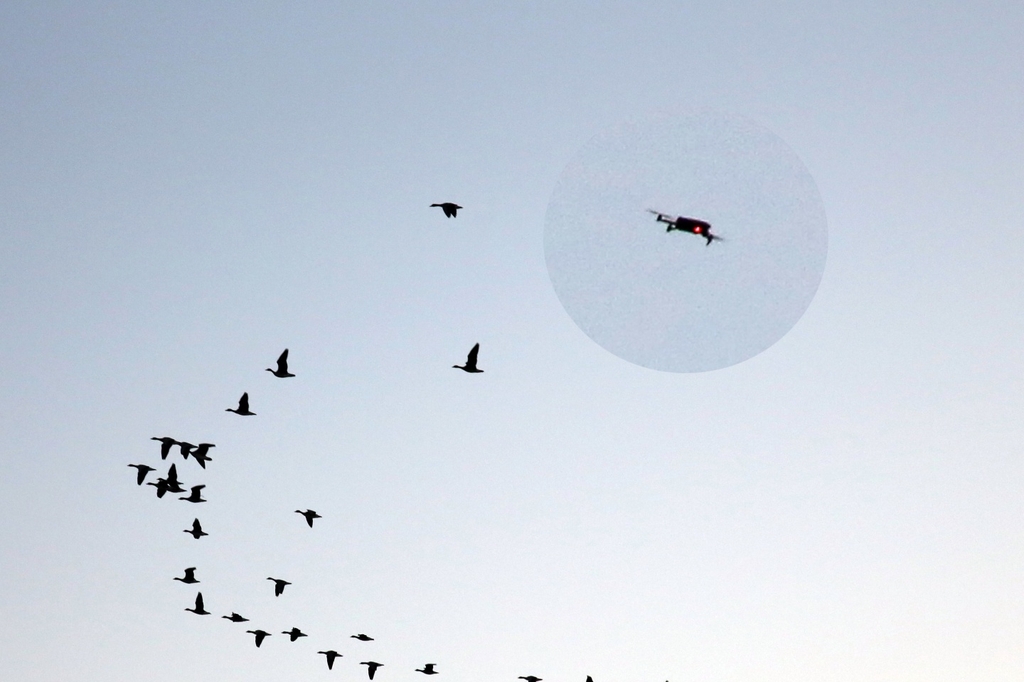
(188, 188)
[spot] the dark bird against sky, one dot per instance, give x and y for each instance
(279, 586)
(309, 514)
(165, 445)
(371, 667)
(470, 365)
(331, 654)
(190, 576)
(142, 471)
(235, 618)
(243, 407)
(260, 636)
(427, 669)
(199, 610)
(282, 367)
(448, 207)
(196, 496)
(362, 638)
(294, 634)
(197, 530)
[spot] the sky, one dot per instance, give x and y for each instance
(186, 189)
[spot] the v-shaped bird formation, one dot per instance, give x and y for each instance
(199, 453)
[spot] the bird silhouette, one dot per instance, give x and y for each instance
(448, 207)
(427, 669)
(531, 678)
(362, 638)
(161, 486)
(279, 586)
(470, 365)
(243, 407)
(260, 636)
(190, 576)
(294, 634)
(165, 445)
(371, 667)
(185, 449)
(173, 484)
(310, 515)
(590, 679)
(196, 496)
(199, 454)
(282, 367)
(199, 610)
(197, 530)
(235, 618)
(331, 654)
(142, 471)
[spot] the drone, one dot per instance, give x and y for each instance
(683, 224)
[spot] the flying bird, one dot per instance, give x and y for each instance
(200, 456)
(310, 515)
(282, 367)
(531, 678)
(161, 486)
(197, 530)
(199, 610)
(331, 654)
(190, 576)
(165, 445)
(243, 407)
(235, 618)
(294, 634)
(143, 470)
(196, 496)
(173, 484)
(449, 209)
(279, 586)
(362, 638)
(470, 365)
(427, 669)
(185, 449)
(260, 636)
(371, 667)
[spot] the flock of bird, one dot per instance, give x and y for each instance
(199, 452)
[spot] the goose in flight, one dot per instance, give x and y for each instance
(165, 445)
(294, 634)
(199, 453)
(470, 365)
(197, 530)
(279, 586)
(185, 449)
(143, 470)
(260, 636)
(362, 638)
(531, 678)
(427, 669)
(371, 667)
(282, 367)
(190, 576)
(196, 496)
(199, 610)
(449, 209)
(243, 407)
(310, 515)
(331, 654)
(235, 618)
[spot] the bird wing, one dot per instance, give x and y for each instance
(471, 358)
(199, 602)
(243, 403)
(282, 362)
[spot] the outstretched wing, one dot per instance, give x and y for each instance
(282, 362)
(471, 358)
(243, 403)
